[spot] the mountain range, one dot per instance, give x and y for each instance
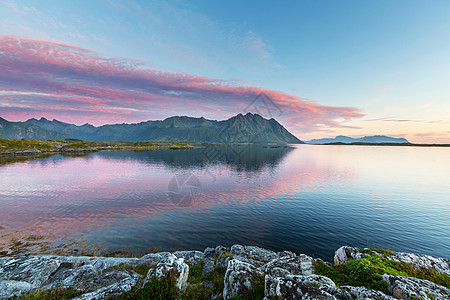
(237, 129)
(374, 139)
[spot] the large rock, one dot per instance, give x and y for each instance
(297, 265)
(190, 257)
(24, 274)
(101, 264)
(239, 279)
(158, 257)
(299, 287)
(345, 253)
(34, 270)
(115, 289)
(316, 287)
(360, 292)
(171, 267)
(106, 279)
(254, 255)
(13, 288)
(67, 277)
(440, 265)
(409, 287)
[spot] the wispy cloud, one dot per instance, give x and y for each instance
(52, 78)
(385, 88)
(396, 120)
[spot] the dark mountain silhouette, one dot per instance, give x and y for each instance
(238, 129)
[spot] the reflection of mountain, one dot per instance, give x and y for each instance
(95, 191)
(246, 158)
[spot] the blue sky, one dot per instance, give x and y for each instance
(354, 67)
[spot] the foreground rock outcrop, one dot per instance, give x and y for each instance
(220, 272)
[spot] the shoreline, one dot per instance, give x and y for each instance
(236, 272)
(35, 148)
(383, 144)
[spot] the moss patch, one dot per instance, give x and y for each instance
(386, 252)
(368, 272)
(53, 294)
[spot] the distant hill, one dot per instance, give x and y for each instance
(28, 131)
(238, 129)
(374, 139)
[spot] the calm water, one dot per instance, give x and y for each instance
(308, 199)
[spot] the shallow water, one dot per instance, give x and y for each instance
(308, 199)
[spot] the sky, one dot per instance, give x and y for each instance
(321, 68)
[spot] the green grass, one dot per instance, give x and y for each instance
(217, 276)
(51, 145)
(386, 252)
(196, 273)
(62, 294)
(25, 144)
(196, 291)
(368, 272)
(158, 289)
(75, 146)
(257, 292)
(165, 288)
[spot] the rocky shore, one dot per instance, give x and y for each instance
(238, 272)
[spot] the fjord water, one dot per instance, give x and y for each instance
(307, 199)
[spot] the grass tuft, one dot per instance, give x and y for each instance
(368, 272)
(57, 294)
(158, 289)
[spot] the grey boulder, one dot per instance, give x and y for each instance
(299, 287)
(175, 267)
(239, 279)
(297, 265)
(114, 289)
(410, 287)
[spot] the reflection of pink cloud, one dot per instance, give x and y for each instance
(104, 192)
(125, 90)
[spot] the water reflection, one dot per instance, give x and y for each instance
(309, 199)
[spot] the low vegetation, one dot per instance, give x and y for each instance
(158, 289)
(56, 294)
(257, 292)
(31, 146)
(368, 271)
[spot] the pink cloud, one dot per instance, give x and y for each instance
(50, 78)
